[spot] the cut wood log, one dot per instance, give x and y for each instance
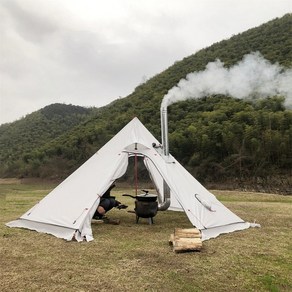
(190, 232)
(187, 230)
(187, 244)
(186, 240)
(171, 239)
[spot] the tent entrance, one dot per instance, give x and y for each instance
(136, 175)
(143, 173)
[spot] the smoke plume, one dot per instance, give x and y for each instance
(252, 77)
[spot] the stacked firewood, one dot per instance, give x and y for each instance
(189, 239)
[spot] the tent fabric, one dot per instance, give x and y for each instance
(66, 212)
(202, 208)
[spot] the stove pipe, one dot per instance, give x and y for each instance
(164, 131)
(165, 147)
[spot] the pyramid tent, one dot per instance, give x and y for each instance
(66, 212)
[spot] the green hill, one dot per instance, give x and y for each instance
(19, 138)
(218, 138)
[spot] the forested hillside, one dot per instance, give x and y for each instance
(36, 129)
(218, 138)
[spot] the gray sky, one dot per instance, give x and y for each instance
(91, 52)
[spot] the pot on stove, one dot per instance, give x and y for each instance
(146, 205)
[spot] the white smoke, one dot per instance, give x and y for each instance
(252, 77)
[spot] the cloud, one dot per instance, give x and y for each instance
(89, 52)
(27, 24)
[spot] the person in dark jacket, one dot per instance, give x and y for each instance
(107, 202)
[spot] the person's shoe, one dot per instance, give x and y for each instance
(97, 217)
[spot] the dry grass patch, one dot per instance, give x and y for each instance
(136, 257)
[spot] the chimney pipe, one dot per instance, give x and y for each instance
(165, 147)
(164, 130)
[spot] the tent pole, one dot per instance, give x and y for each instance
(136, 172)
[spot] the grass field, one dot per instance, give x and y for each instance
(137, 257)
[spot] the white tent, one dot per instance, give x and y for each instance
(67, 211)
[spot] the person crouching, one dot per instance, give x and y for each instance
(107, 202)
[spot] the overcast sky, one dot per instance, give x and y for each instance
(91, 52)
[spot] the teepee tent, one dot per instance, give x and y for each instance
(66, 212)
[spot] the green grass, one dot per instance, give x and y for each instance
(137, 257)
